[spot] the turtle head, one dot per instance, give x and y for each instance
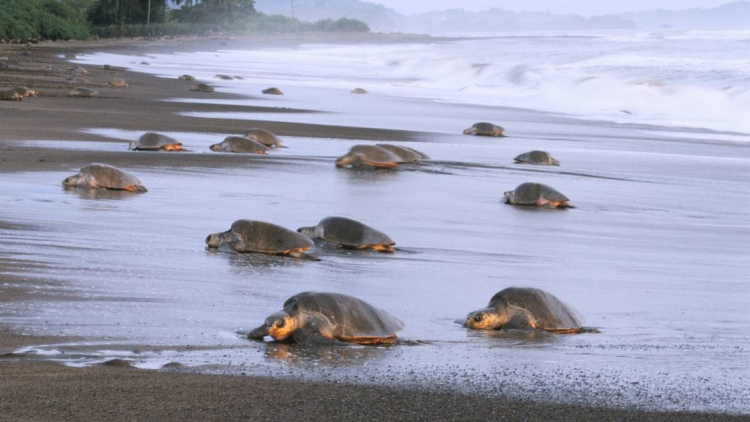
(71, 180)
(215, 147)
(217, 239)
(469, 131)
(133, 145)
(281, 325)
(79, 180)
(554, 162)
(509, 197)
(351, 159)
(485, 319)
(311, 232)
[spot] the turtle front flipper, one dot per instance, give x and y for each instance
(312, 336)
(301, 254)
(258, 333)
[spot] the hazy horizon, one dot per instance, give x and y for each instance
(581, 7)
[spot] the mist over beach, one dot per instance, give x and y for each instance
(116, 294)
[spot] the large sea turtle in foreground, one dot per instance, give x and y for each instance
(536, 194)
(104, 176)
(485, 129)
(262, 237)
(152, 141)
(239, 144)
(524, 308)
(348, 233)
(264, 137)
(537, 157)
(328, 318)
(408, 155)
(369, 155)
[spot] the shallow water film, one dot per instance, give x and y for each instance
(654, 254)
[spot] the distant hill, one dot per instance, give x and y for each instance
(378, 17)
(730, 15)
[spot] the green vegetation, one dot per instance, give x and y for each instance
(79, 19)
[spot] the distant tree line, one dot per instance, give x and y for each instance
(80, 19)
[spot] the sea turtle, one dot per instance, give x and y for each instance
(79, 71)
(239, 144)
(536, 194)
(152, 141)
(408, 155)
(262, 237)
(537, 157)
(202, 88)
(348, 233)
(272, 91)
(369, 155)
(110, 67)
(484, 129)
(25, 91)
(264, 137)
(10, 95)
(82, 91)
(523, 308)
(359, 91)
(223, 77)
(104, 176)
(117, 83)
(186, 78)
(329, 318)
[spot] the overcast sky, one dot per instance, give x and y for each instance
(581, 7)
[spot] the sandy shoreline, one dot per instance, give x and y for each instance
(43, 391)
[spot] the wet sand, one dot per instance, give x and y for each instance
(34, 390)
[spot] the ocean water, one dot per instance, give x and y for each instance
(654, 254)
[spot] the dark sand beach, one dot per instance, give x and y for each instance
(34, 388)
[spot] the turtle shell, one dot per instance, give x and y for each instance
(484, 129)
(272, 91)
(352, 233)
(259, 236)
(348, 316)
(202, 88)
(406, 154)
(155, 141)
(239, 144)
(117, 82)
(547, 311)
(264, 137)
(110, 177)
(81, 91)
(529, 193)
(372, 155)
(536, 157)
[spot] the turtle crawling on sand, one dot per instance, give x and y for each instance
(117, 83)
(25, 91)
(82, 91)
(239, 144)
(186, 78)
(272, 91)
(359, 91)
(261, 237)
(103, 176)
(407, 155)
(348, 233)
(536, 194)
(202, 88)
(152, 141)
(329, 318)
(223, 77)
(485, 129)
(524, 308)
(537, 157)
(370, 155)
(264, 137)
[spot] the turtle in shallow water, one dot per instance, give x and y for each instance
(537, 157)
(408, 155)
(82, 91)
(261, 237)
(264, 137)
(117, 83)
(104, 176)
(152, 141)
(485, 129)
(348, 233)
(328, 318)
(110, 67)
(524, 308)
(369, 155)
(202, 88)
(359, 91)
(272, 91)
(186, 78)
(223, 77)
(536, 194)
(239, 144)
